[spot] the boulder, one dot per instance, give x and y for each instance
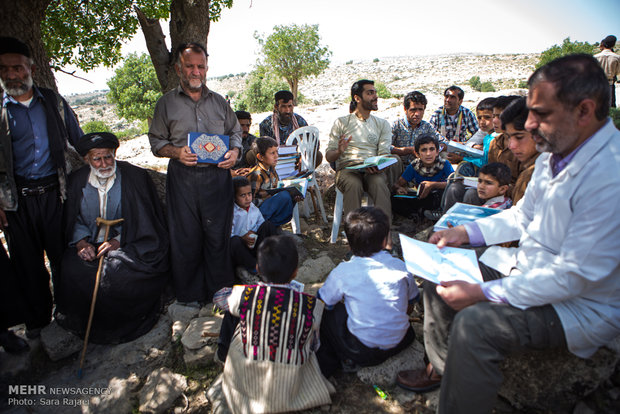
(117, 400)
(200, 340)
(181, 315)
(58, 342)
(384, 374)
(162, 387)
(554, 380)
(315, 270)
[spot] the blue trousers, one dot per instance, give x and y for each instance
(278, 209)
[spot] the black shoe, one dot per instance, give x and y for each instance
(433, 215)
(12, 343)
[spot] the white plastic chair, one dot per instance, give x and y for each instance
(307, 139)
(338, 207)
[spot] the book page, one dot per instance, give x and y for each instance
(450, 263)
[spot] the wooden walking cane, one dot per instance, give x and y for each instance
(108, 224)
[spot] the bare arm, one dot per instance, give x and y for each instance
(183, 154)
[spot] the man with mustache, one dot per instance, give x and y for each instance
(354, 138)
(35, 125)
(199, 196)
(561, 287)
(135, 255)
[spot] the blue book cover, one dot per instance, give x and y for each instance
(461, 213)
(210, 148)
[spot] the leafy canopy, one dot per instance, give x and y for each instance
(134, 88)
(293, 52)
(261, 85)
(90, 33)
(566, 48)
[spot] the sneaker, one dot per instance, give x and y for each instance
(433, 215)
(12, 343)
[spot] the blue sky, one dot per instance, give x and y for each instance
(365, 29)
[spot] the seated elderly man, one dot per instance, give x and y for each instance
(135, 258)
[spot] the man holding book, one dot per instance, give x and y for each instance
(561, 287)
(199, 196)
(352, 140)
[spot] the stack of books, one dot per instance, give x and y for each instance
(287, 159)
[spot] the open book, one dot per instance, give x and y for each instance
(210, 148)
(464, 150)
(450, 263)
(461, 213)
(379, 161)
(300, 184)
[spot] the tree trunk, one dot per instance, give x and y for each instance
(22, 19)
(294, 84)
(189, 22)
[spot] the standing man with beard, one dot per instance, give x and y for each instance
(354, 138)
(199, 197)
(35, 125)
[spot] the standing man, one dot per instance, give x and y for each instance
(35, 125)
(610, 62)
(199, 197)
(354, 138)
(452, 120)
(406, 130)
(247, 139)
(561, 287)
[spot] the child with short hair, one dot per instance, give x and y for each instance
(493, 182)
(271, 364)
(275, 205)
(249, 228)
(373, 323)
(429, 172)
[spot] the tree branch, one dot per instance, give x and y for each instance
(72, 74)
(156, 45)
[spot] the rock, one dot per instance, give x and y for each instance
(181, 315)
(314, 270)
(582, 408)
(58, 342)
(118, 400)
(216, 397)
(384, 374)
(199, 357)
(554, 380)
(162, 387)
(14, 364)
(201, 331)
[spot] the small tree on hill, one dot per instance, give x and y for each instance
(134, 88)
(566, 48)
(261, 85)
(293, 52)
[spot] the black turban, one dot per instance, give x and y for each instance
(96, 140)
(609, 42)
(12, 45)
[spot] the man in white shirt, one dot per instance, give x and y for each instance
(563, 284)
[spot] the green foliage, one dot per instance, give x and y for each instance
(522, 84)
(95, 126)
(349, 62)
(382, 90)
(375, 60)
(293, 53)
(90, 33)
(133, 132)
(261, 85)
(134, 88)
(487, 87)
(614, 113)
(566, 48)
(475, 83)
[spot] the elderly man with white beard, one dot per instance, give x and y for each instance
(135, 258)
(35, 126)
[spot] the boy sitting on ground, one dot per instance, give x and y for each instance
(493, 182)
(276, 205)
(249, 228)
(270, 364)
(373, 323)
(429, 172)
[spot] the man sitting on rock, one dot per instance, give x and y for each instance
(561, 287)
(135, 258)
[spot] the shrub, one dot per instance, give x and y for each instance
(614, 113)
(487, 87)
(261, 85)
(382, 90)
(95, 126)
(475, 83)
(522, 84)
(349, 62)
(375, 60)
(566, 48)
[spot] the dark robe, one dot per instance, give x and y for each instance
(12, 307)
(133, 277)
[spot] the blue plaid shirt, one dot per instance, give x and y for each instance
(469, 123)
(404, 136)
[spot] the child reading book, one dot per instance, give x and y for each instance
(275, 204)
(271, 364)
(373, 323)
(429, 173)
(249, 228)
